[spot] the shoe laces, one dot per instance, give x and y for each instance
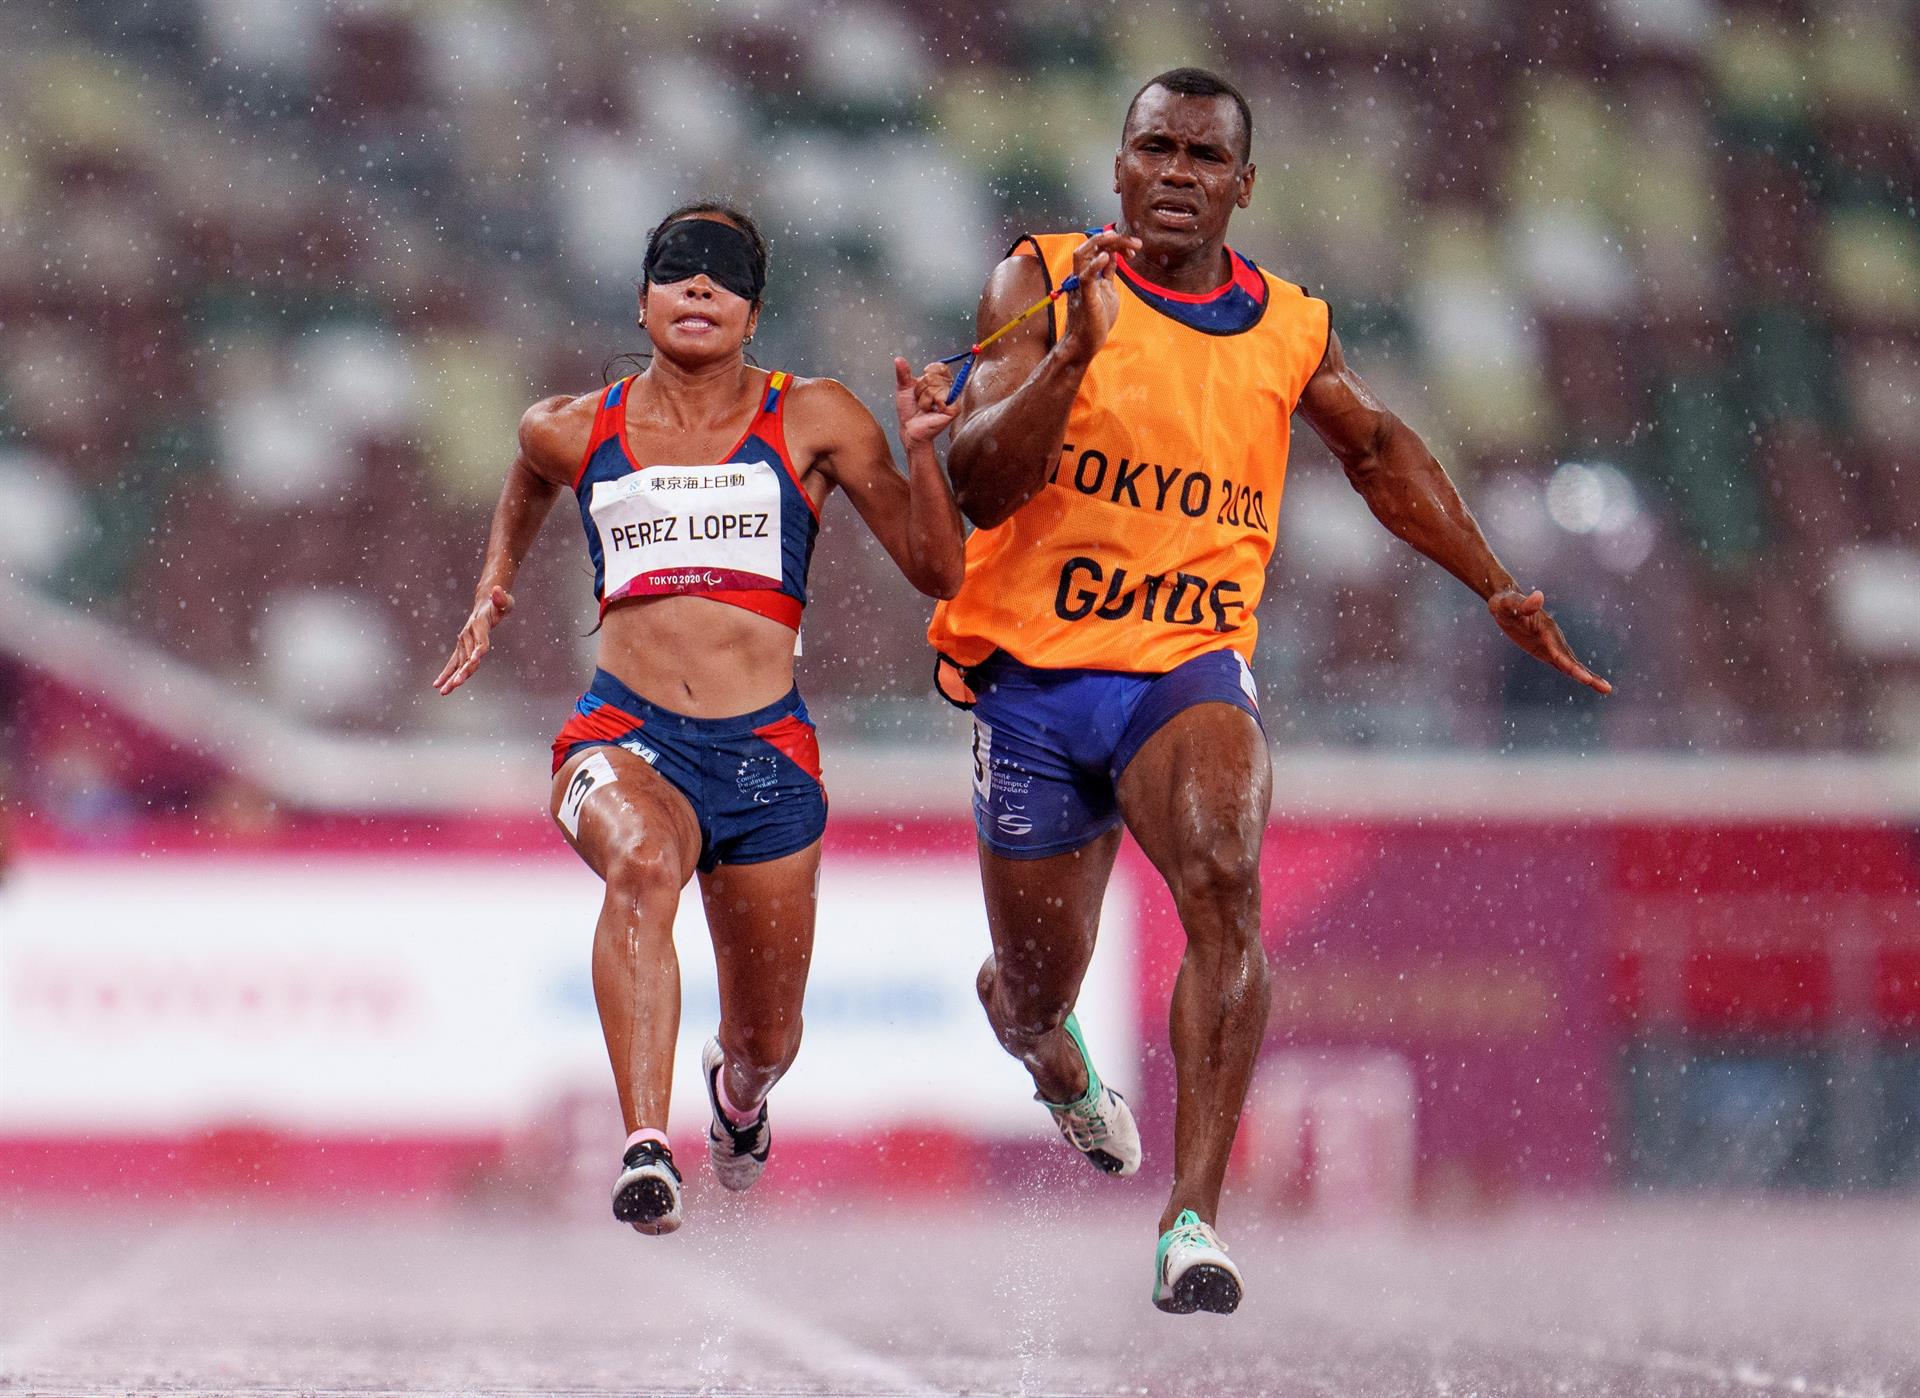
(651, 1153)
(1189, 1231)
(742, 1140)
(1086, 1127)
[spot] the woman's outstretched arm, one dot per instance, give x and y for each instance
(914, 517)
(534, 481)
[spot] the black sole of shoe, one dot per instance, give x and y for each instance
(1203, 1288)
(643, 1201)
(1110, 1164)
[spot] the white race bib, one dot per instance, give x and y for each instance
(668, 529)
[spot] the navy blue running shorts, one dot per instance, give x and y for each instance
(753, 780)
(1049, 745)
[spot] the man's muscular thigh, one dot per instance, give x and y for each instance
(1197, 794)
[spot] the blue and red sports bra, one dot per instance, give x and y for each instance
(739, 530)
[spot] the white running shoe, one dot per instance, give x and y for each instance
(739, 1152)
(1100, 1125)
(1191, 1269)
(647, 1194)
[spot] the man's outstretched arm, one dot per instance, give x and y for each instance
(1410, 493)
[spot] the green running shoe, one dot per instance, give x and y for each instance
(1191, 1269)
(1100, 1125)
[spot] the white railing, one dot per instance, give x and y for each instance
(295, 762)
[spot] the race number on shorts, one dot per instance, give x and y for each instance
(588, 778)
(982, 756)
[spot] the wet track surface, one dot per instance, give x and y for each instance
(1681, 1297)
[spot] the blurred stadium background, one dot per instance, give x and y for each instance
(276, 281)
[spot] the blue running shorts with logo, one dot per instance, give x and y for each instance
(753, 780)
(1049, 745)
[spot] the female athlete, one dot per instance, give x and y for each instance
(700, 483)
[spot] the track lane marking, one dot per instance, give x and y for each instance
(814, 1346)
(136, 1278)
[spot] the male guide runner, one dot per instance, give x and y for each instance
(1123, 458)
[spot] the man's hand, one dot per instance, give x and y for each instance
(922, 403)
(1093, 306)
(474, 642)
(1525, 619)
(1409, 493)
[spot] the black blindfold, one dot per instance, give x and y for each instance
(695, 245)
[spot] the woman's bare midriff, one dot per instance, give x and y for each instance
(695, 656)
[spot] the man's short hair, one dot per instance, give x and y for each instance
(1198, 82)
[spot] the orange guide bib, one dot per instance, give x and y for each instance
(1149, 543)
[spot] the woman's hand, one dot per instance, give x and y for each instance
(922, 402)
(475, 639)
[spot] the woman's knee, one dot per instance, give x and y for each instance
(643, 873)
(768, 1048)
